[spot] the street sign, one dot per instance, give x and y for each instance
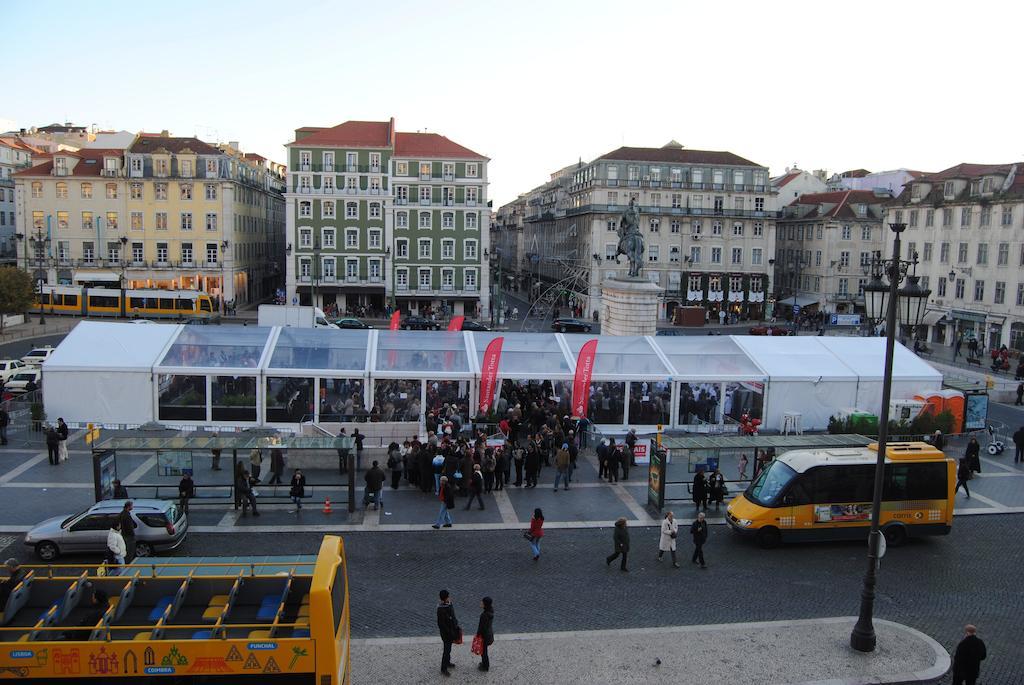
(92, 434)
(796, 309)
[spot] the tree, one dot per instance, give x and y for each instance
(16, 292)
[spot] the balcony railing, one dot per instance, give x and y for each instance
(724, 212)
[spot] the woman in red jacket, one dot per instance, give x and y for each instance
(536, 532)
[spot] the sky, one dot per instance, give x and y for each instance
(536, 85)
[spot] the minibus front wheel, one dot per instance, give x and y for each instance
(768, 537)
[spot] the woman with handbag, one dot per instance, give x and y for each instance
(536, 532)
(669, 532)
(484, 633)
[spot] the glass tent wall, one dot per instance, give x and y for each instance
(421, 374)
(533, 367)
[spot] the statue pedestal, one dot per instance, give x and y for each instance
(630, 307)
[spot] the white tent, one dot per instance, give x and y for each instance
(803, 377)
(102, 372)
(866, 357)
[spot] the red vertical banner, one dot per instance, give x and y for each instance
(456, 323)
(581, 384)
(395, 320)
(489, 373)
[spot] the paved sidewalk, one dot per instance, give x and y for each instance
(802, 651)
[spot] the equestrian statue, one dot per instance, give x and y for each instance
(631, 241)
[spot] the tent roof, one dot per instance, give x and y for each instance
(625, 357)
(109, 346)
(794, 357)
(217, 347)
(526, 355)
(866, 357)
(703, 357)
(309, 349)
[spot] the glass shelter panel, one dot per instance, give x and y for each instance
(289, 400)
(217, 347)
(234, 398)
(416, 352)
(525, 355)
(698, 403)
(182, 398)
(606, 404)
(650, 403)
(315, 349)
(447, 401)
(341, 399)
(396, 400)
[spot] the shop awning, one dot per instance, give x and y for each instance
(977, 317)
(93, 276)
(932, 317)
(800, 300)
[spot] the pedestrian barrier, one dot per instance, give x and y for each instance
(223, 494)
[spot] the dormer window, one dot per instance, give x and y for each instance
(948, 189)
(975, 187)
(915, 191)
(862, 210)
(986, 185)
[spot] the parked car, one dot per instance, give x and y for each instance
(38, 355)
(9, 367)
(770, 330)
(570, 326)
(419, 323)
(351, 324)
(468, 325)
(18, 383)
(161, 526)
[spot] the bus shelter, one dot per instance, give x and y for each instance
(670, 479)
(177, 453)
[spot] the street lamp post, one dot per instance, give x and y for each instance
(882, 300)
(798, 264)
(40, 242)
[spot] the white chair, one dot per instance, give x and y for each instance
(791, 423)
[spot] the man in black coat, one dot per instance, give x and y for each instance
(5, 420)
(52, 445)
(699, 531)
(374, 478)
(612, 469)
(1018, 442)
(532, 465)
(968, 657)
(128, 526)
(448, 627)
(700, 490)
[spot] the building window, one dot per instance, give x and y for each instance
(611, 225)
(656, 199)
(982, 259)
(756, 256)
(351, 238)
(425, 195)
(329, 269)
(694, 254)
(160, 191)
(472, 170)
(758, 229)
(401, 168)
(979, 291)
(944, 253)
(865, 233)
(424, 281)
(447, 249)
(1003, 257)
(327, 237)
(37, 189)
(160, 221)
(1020, 294)
(305, 208)
(86, 221)
(62, 190)
(913, 216)
(86, 190)
(186, 191)
(999, 297)
(374, 239)
(402, 220)
(111, 191)
(677, 201)
(844, 286)
(469, 279)
(211, 253)
(424, 252)
(716, 228)
(674, 227)
(958, 291)
(425, 171)
(112, 221)
(941, 290)
(986, 216)
(472, 195)
(351, 184)
(609, 251)
(1007, 217)
(424, 219)
(929, 217)
(961, 256)
(327, 208)
(375, 162)
(305, 268)
(737, 228)
(737, 255)
(211, 222)
(351, 210)
(402, 277)
(673, 254)
(965, 217)
(844, 259)
(136, 221)
(471, 221)
(402, 249)
(947, 218)
(653, 253)
(186, 253)
(448, 171)
(654, 225)
(211, 191)
(469, 250)
(373, 269)
(716, 255)
(88, 254)
(819, 232)
(306, 237)
(447, 279)
(186, 221)
(374, 210)
(926, 254)
(447, 220)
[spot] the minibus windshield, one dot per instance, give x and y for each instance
(772, 481)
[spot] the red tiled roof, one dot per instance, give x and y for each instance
(678, 156)
(965, 170)
(350, 134)
(855, 173)
(841, 201)
(253, 155)
(90, 162)
(783, 180)
(430, 145)
(147, 143)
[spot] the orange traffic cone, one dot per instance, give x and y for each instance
(327, 506)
